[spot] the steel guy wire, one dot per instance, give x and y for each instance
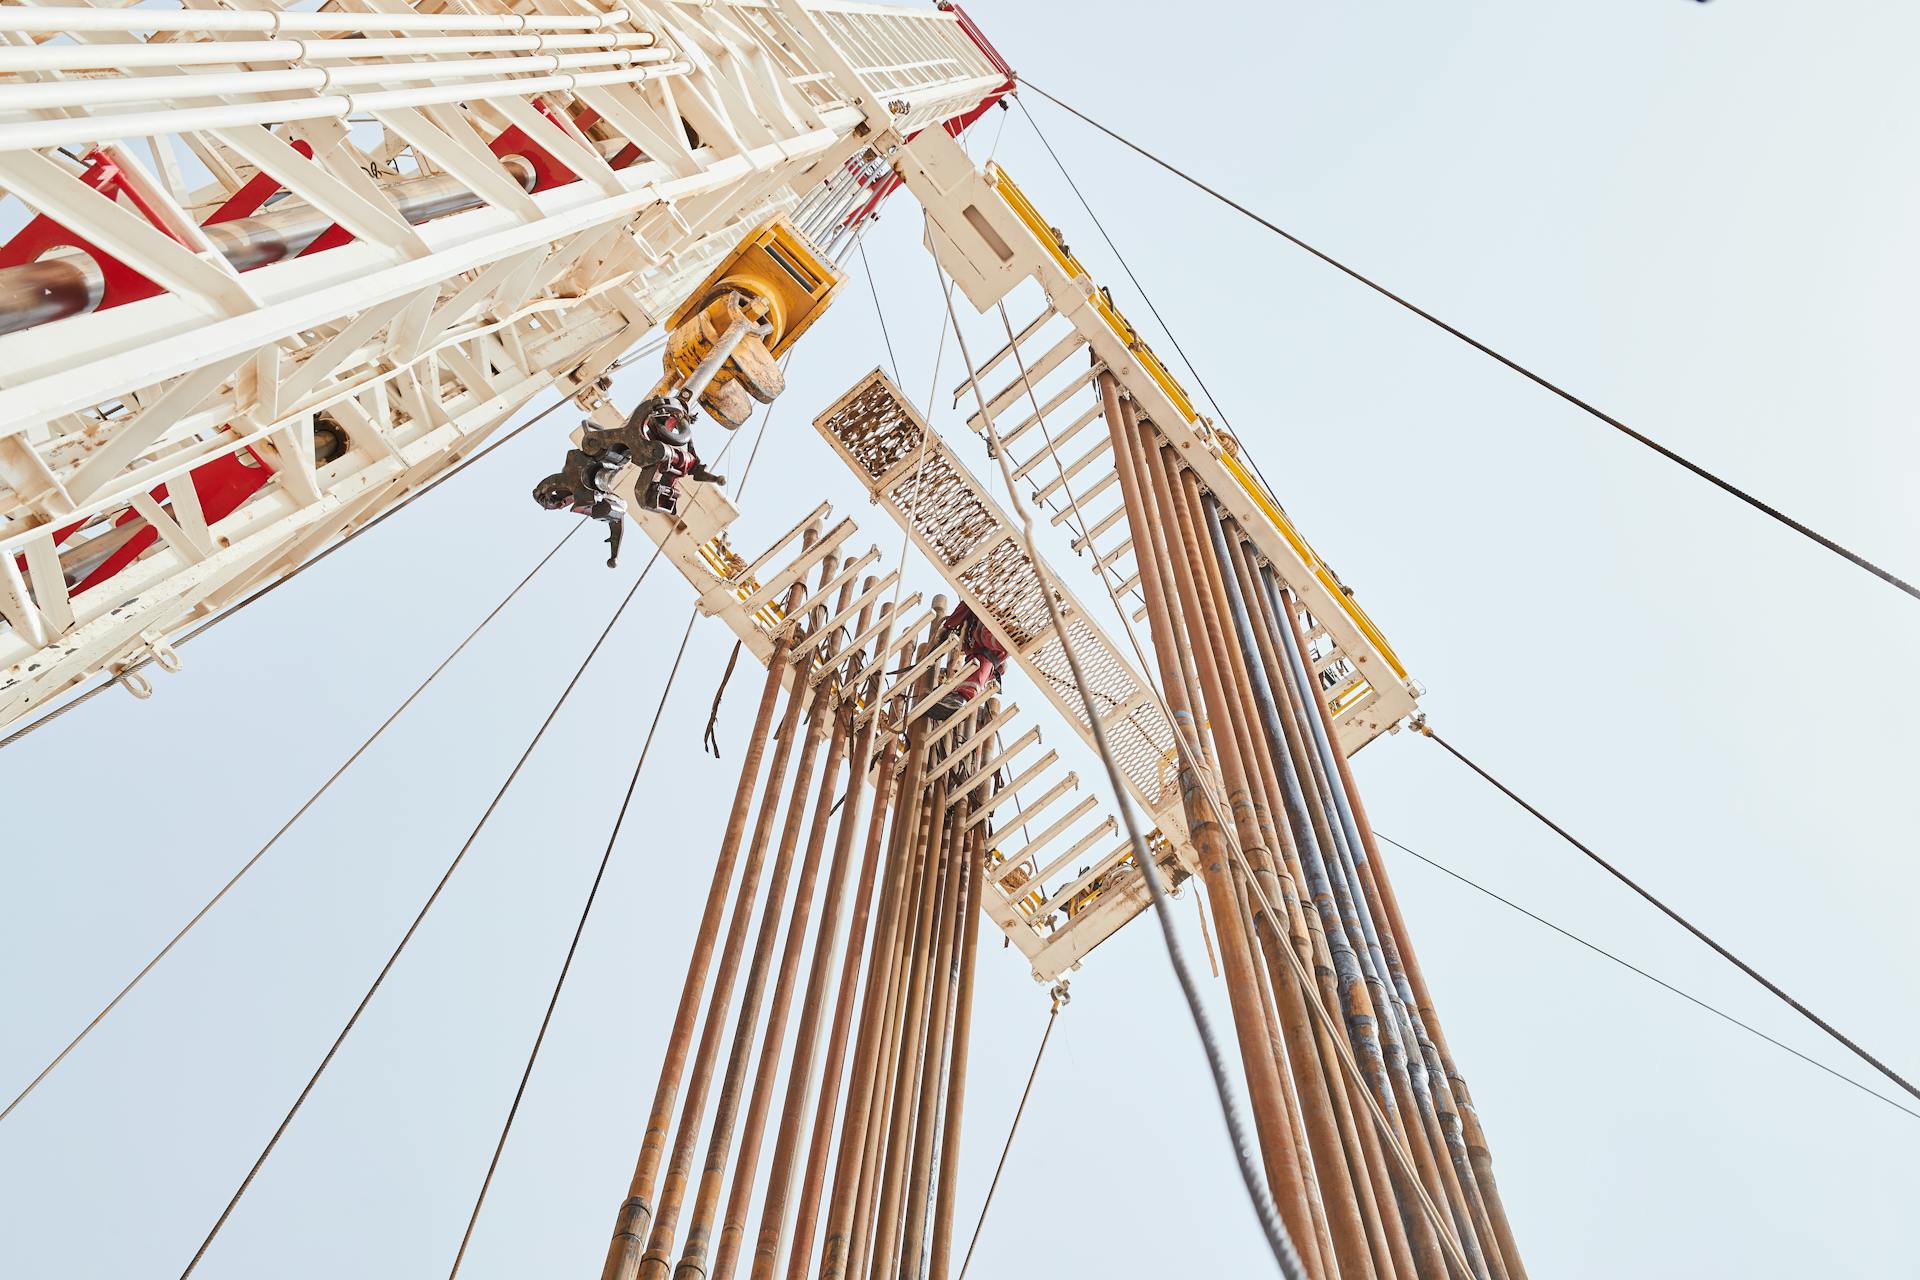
(573, 946)
(1725, 486)
(1630, 967)
(1647, 895)
(353, 1019)
(1053, 1015)
(274, 839)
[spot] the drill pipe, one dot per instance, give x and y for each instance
(1383, 1192)
(1290, 1190)
(1409, 1094)
(1381, 1180)
(726, 1116)
(1434, 1059)
(1440, 1176)
(658, 1258)
(1351, 1249)
(1319, 1074)
(831, 704)
(913, 1035)
(940, 991)
(842, 1248)
(1408, 1231)
(949, 1154)
(911, 871)
(635, 1218)
(773, 1214)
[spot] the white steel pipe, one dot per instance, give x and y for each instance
(59, 286)
(53, 133)
(61, 19)
(80, 57)
(87, 93)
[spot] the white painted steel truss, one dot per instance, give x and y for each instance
(971, 540)
(458, 209)
(313, 257)
(1042, 396)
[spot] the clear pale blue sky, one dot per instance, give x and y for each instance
(1700, 217)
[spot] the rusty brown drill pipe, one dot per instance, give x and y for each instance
(913, 1023)
(655, 1261)
(831, 704)
(1234, 745)
(942, 1246)
(843, 1247)
(1288, 1183)
(733, 1081)
(767, 1243)
(940, 981)
(1408, 1232)
(635, 1219)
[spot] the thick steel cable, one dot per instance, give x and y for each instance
(1676, 917)
(1631, 967)
(1284, 1254)
(1726, 486)
(353, 1019)
(573, 946)
(274, 839)
(1053, 1015)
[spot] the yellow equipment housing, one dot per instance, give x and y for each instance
(774, 264)
(772, 278)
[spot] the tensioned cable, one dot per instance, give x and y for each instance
(1138, 288)
(1285, 1256)
(1053, 1015)
(274, 839)
(566, 965)
(1634, 968)
(1639, 437)
(354, 1018)
(593, 891)
(874, 289)
(1818, 1021)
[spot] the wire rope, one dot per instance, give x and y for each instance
(1675, 916)
(1631, 967)
(353, 1019)
(274, 839)
(1053, 1015)
(1639, 437)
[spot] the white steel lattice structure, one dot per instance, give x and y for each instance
(287, 263)
(957, 525)
(1041, 393)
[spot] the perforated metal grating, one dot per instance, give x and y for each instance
(954, 521)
